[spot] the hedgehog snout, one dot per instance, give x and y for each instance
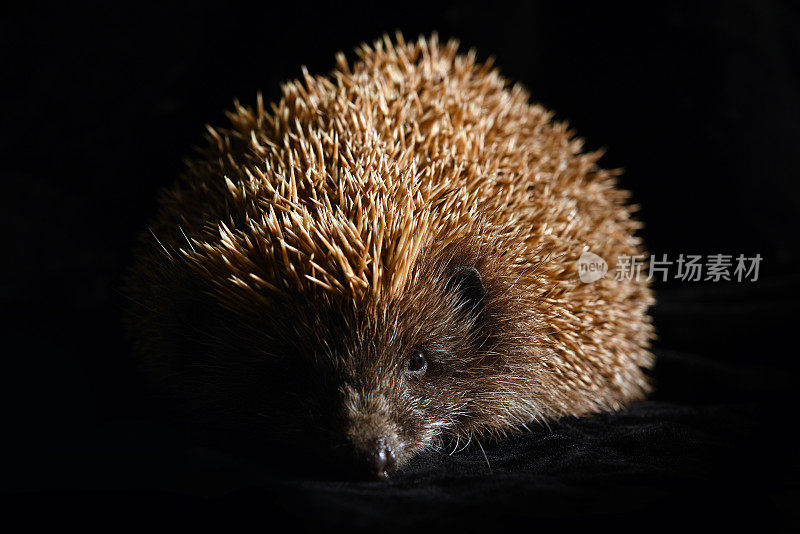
(376, 457)
(381, 456)
(374, 446)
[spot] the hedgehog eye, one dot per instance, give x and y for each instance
(417, 361)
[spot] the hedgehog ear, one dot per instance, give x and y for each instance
(466, 281)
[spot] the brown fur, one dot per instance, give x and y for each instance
(308, 251)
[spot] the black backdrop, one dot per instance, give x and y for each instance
(698, 103)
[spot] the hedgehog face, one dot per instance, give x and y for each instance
(406, 380)
(376, 381)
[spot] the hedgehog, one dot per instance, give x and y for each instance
(385, 261)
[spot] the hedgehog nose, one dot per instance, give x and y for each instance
(383, 459)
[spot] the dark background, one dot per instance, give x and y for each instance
(697, 102)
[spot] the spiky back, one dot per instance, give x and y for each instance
(348, 177)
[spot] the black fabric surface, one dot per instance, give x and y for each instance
(699, 103)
